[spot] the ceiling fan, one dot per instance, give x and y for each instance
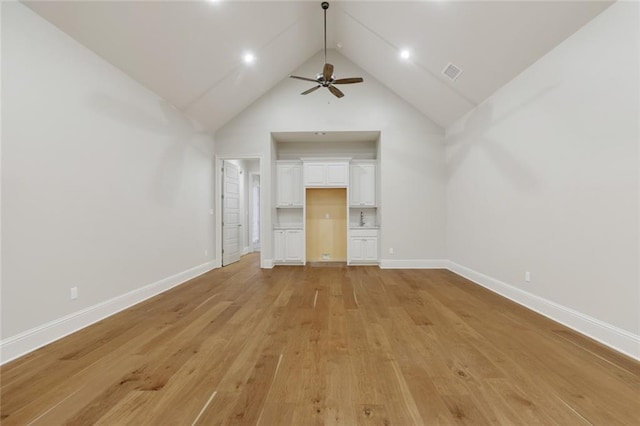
(326, 78)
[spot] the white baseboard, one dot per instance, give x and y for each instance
(607, 334)
(30, 340)
(267, 264)
(413, 264)
(245, 251)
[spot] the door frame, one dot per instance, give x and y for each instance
(218, 202)
(251, 212)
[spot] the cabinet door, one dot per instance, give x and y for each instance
(278, 246)
(370, 251)
(356, 249)
(285, 185)
(297, 188)
(362, 185)
(293, 245)
(314, 174)
(355, 173)
(367, 185)
(337, 174)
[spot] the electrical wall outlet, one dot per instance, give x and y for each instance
(527, 276)
(206, 253)
(390, 250)
(325, 256)
(74, 293)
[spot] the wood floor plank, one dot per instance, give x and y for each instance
(278, 413)
(322, 346)
(132, 406)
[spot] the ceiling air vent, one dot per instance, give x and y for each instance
(451, 71)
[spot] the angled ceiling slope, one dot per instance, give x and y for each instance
(190, 53)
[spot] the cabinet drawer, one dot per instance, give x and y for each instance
(363, 232)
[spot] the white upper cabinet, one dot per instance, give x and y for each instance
(337, 174)
(362, 187)
(314, 174)
(289, 184)
(326, 173)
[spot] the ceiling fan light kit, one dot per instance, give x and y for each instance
(326, 77)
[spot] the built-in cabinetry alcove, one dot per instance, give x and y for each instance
(326, 201)
(326, 224)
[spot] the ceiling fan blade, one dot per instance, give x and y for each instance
(348, 80)
(313, 89)
(327, 72)
(335, 91)
(304, 78)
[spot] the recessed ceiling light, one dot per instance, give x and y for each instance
(405, 54)
(248, 58)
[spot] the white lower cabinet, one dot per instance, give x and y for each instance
(363, 246)
(278, 246)
(288, 245)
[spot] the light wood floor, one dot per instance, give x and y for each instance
(305, 345)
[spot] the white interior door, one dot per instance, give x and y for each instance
(230, 213)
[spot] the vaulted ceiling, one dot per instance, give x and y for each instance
(190, 52)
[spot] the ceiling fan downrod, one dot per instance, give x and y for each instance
(326, 78)
(325, 6)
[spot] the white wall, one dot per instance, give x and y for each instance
(412, 152)
(360, 150)
(105, 186)
(544, 177)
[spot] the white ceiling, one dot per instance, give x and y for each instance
(190, 52)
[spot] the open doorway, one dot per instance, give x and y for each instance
(239, 208)
(254, 211)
